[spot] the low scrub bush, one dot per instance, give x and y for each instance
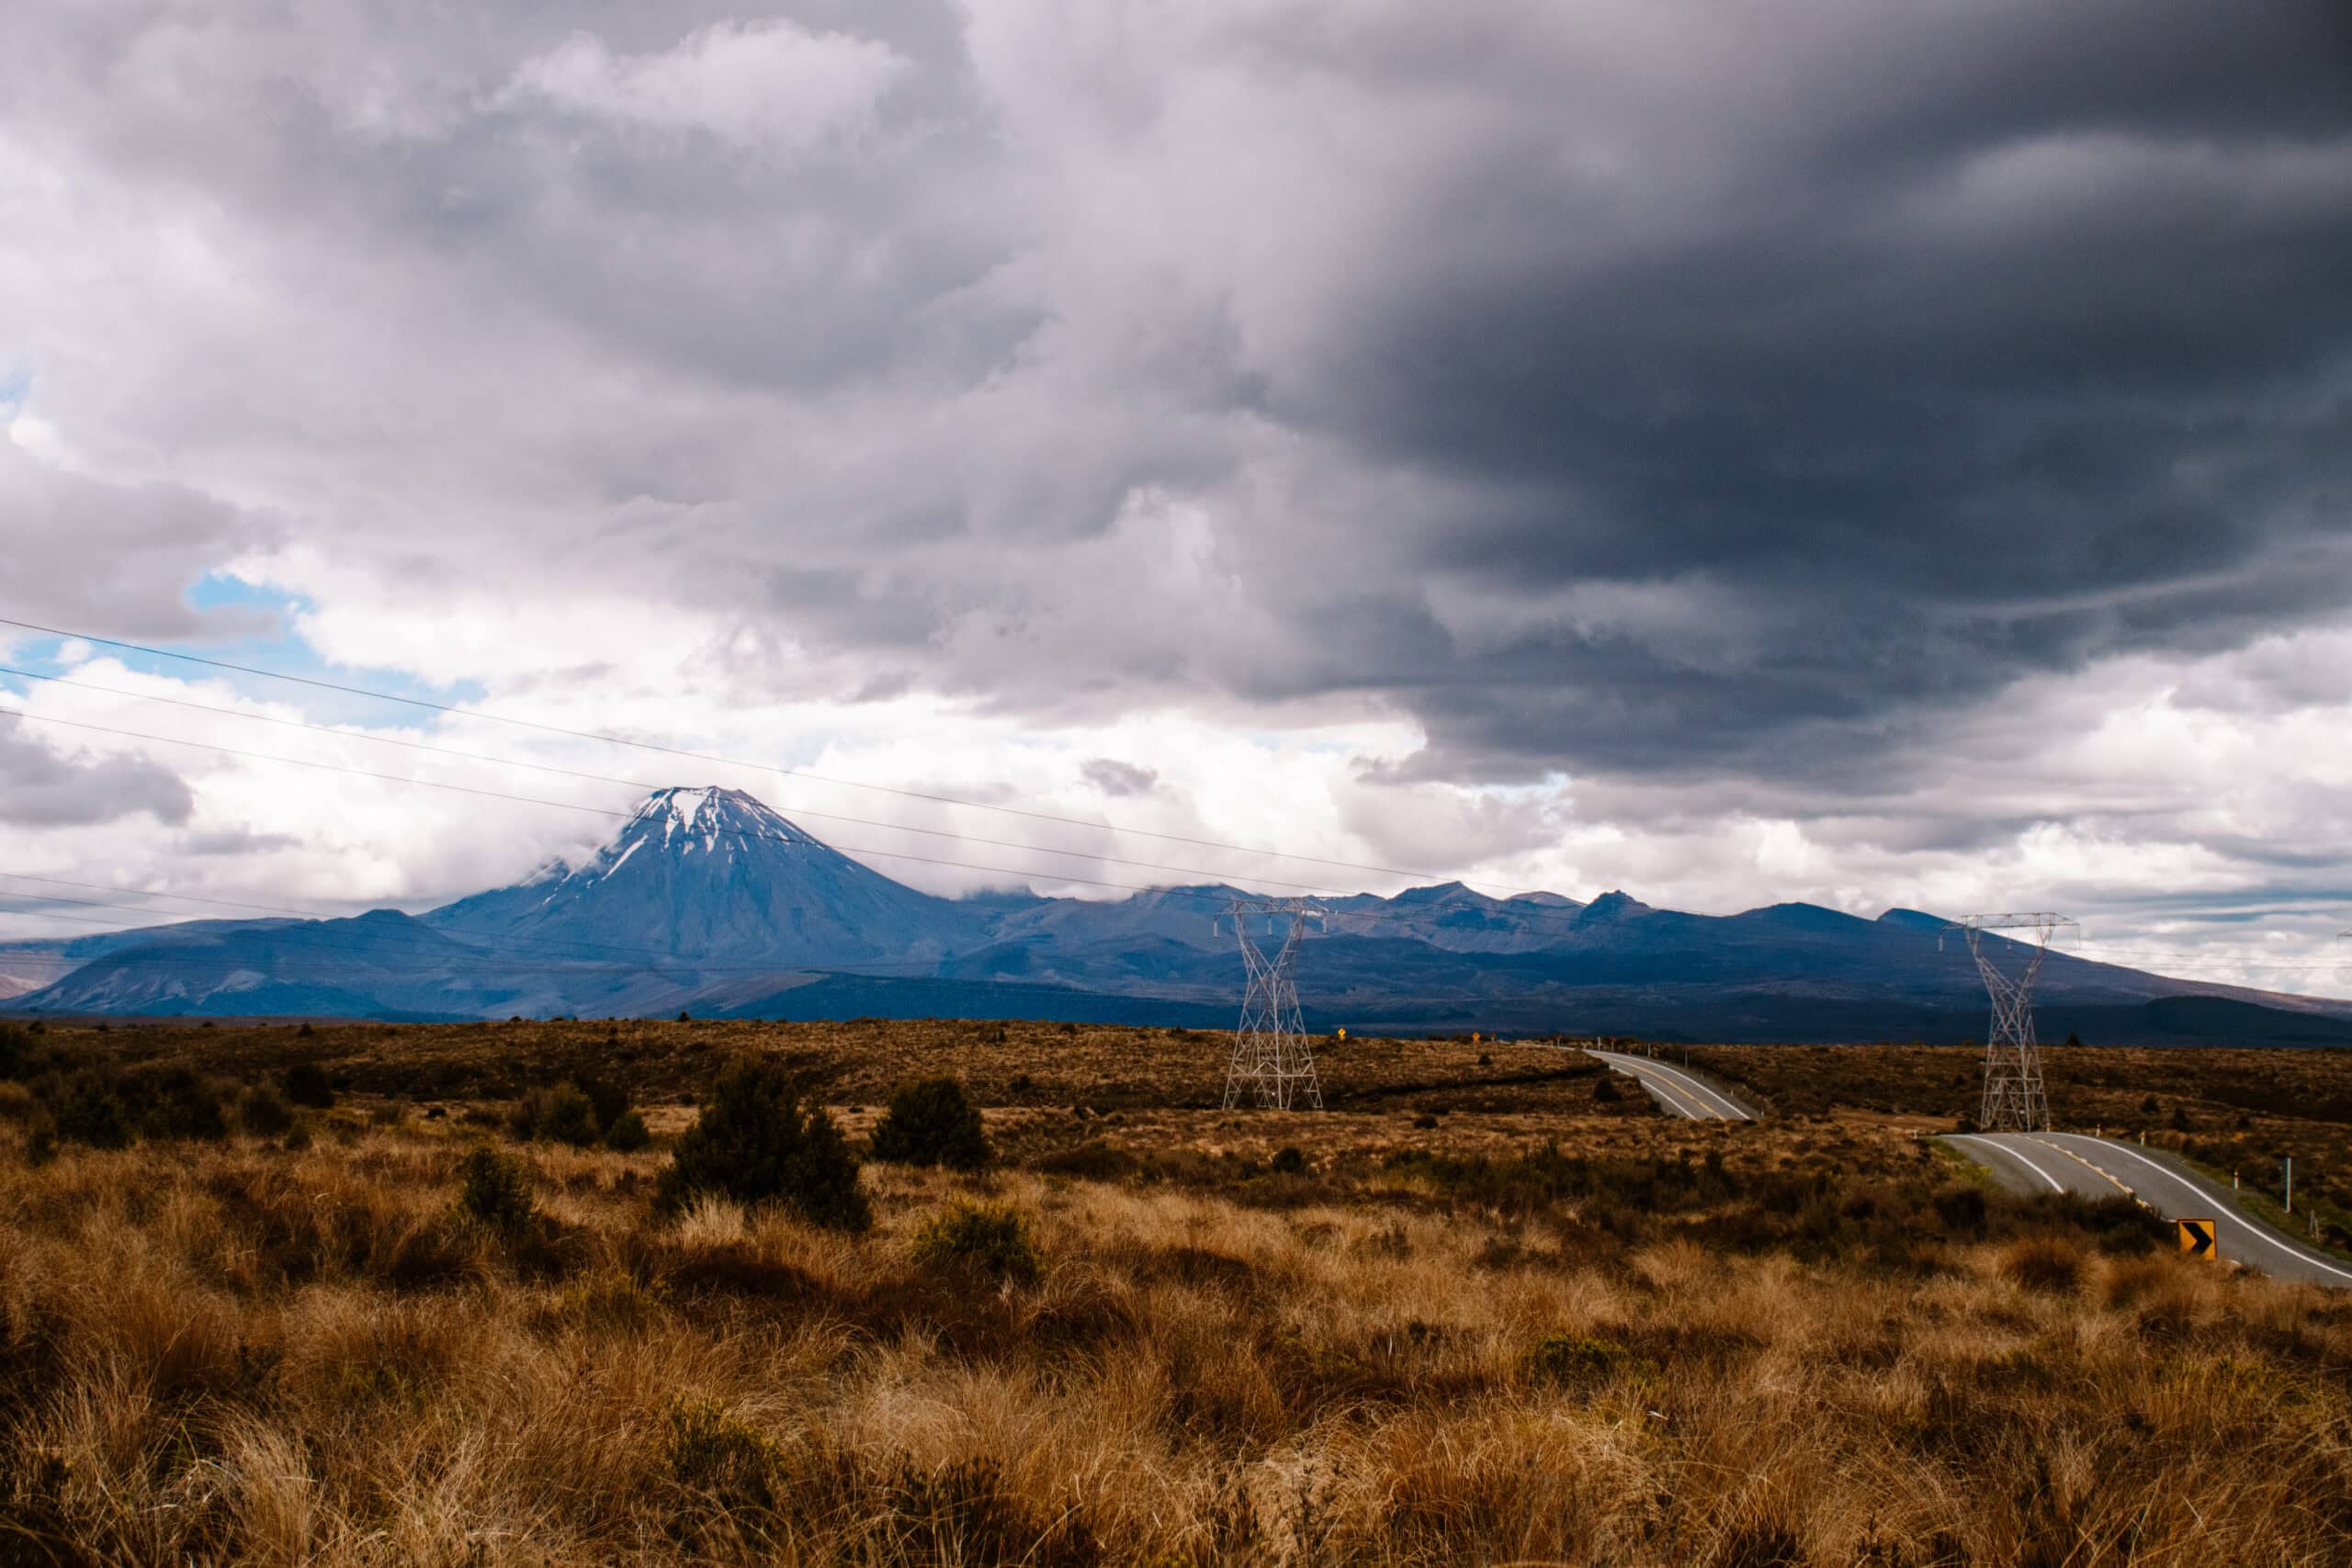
(1579, 1362)
(588, 1109)
(41, 1139)
(105, 1108)
(1962, 1209)
(307, 1085)
(558, 1115)
(263, 1111)
(173, 1103)
(627, 1133)
(932, 1122)
(86, 1108)
(1097, 1161)
(495, 1191)
(710, 1451)
(989, 1239)
(756, 1143)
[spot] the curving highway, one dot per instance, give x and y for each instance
(2102, 1168)
(1680, 1092)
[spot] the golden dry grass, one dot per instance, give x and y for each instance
(237, 1353)
(1807, 1341)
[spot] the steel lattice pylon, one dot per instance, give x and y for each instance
(2014, 1100)
(1269, 1055)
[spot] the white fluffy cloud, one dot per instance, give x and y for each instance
(1874, 457)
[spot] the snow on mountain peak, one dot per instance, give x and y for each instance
(708, 819)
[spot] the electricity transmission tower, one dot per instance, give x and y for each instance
(2014, 1101)
(1270, 1055)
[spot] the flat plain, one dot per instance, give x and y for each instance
(1490, 1306)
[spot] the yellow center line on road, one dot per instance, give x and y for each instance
(2252, 1229)
(1694, 1112)
(1721, 1110)
(2102, 1170)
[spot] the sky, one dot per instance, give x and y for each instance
(1884, 456)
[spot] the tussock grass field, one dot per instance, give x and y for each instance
(1474, 1313)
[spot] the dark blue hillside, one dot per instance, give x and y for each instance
(707, 899)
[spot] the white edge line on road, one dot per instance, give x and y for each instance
(2017, 1154)
(2254, 1228)
(1730, 1113)
(1681, 1102)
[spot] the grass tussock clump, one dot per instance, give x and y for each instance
(987, 1239)
(2044, 1263)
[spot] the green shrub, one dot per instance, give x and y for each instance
(992, 1239)
(1289, 1161)
(15, 1045)
(1962, 1209)
(755, 1143)
(606, 1099)
(708, 1450)
(306, 1083)
(628, 1134)
(86, 1108)
(495, 1191)
(561, 1115)
(173, 1102)
(41, 1139)
(1097, 1161)
(932, 1121)
(263, 1111)
(1578, 1361)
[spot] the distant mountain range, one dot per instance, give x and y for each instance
(710, 902)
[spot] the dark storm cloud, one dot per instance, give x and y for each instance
(1628, 389)
(40, 788)
(1983, 341)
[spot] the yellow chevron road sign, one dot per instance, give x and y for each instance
(2200, 1238)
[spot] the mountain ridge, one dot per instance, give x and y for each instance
(708, 899)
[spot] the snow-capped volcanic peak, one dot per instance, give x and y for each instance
(712, 872)
(682, 820)
(672, 824)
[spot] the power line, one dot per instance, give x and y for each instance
(604, 738)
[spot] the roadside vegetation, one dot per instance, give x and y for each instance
(421, 1326)
(2235, 1114)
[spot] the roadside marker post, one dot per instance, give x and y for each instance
(2197, 1238)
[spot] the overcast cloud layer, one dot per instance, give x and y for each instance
(1817, 448)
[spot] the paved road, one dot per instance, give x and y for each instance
(2101, 1168)
(1682, 1093)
